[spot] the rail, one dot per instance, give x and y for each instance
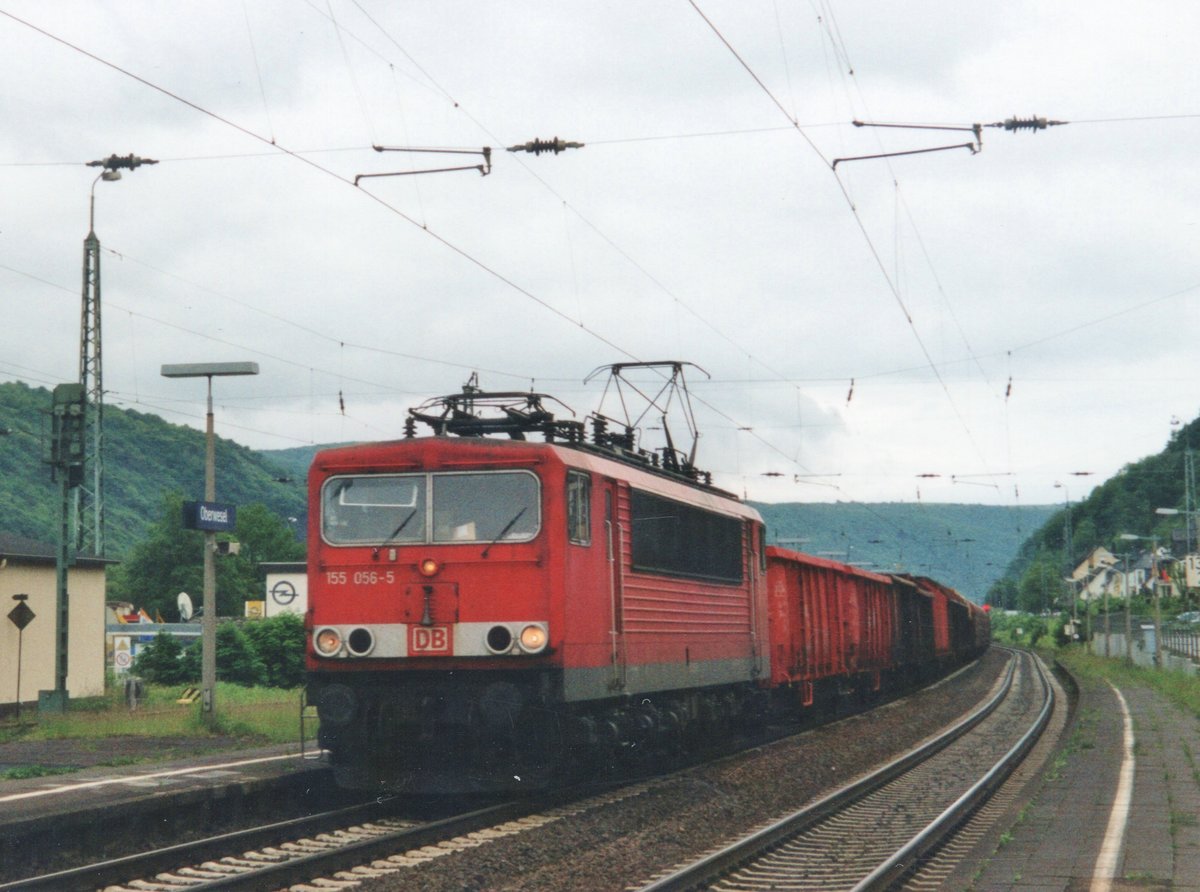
(732, 857)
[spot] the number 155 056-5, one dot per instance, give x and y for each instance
(359, 577)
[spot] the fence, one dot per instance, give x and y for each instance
(1180, 643)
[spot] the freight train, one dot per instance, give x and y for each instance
(487, 612)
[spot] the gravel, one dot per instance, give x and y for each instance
(632, 839)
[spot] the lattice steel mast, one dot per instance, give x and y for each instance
(89, 499)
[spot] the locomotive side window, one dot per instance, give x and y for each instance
(682, 540)
(579, 508)
(375, 510)
(486, 507)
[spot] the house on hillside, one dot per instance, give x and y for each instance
(27, 567)
(1095, 575)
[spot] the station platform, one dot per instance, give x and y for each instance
(194, 788)
(1118, 807)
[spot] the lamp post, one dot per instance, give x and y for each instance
(1068, 545)
(1154, 590)
(89, 524)
(208, 628)
(1187, 516)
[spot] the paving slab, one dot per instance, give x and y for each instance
(1056, 842)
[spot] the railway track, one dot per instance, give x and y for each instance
(274, 855)
(349, 845)
(333, 850)
(875, 832)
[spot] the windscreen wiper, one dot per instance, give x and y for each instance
(508, 526)
(396, 532)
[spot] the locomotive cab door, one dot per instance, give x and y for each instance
(614, 543)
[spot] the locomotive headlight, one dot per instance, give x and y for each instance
(327, 642)
(429, 567)
(533, 639)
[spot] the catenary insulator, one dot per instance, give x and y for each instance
(537, 146)
(1014, 124)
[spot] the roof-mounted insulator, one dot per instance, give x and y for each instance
(537, 146)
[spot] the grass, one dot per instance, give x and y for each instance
(23, 772)
(252, 715)
(1180, 688)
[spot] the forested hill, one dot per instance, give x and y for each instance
(1125, 503)
(145, 459)
(967, 547)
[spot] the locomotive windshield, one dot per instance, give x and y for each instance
(389, 509)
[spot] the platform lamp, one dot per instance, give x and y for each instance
(1130, 537)
(208, 628)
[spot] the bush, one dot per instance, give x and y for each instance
(279, 642)
(268, 652)
(161, 661)
(237, 661)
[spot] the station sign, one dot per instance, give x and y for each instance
(213, 517)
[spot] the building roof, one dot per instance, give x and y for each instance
(283, 566)
(22, 548)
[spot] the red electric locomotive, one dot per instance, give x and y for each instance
(486, 611)
(498, 613)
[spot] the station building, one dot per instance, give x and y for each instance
(27, 567)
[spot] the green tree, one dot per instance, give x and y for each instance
(1003, 594)
(161, 661)
(237, 660)
(170, 560)
(279, 642)
(1041, 586)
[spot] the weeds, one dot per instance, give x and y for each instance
(254, 715)
(24, 772)
(1180, 688)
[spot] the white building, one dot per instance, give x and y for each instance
(27, 568)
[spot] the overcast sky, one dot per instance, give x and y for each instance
(1002, 319)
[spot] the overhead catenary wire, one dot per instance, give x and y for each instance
(461, 252)
(1014, 123)
(309, 162)
(850, 359)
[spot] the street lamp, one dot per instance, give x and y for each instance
(1187, 516)
(208, 628)
(1068, 544)
(1154, 590)
(89, 517)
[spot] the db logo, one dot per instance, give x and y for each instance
(428, 640)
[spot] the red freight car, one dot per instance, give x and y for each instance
(955, 619)
(833, 626)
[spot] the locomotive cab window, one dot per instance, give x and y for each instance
(579, 508)
(400, 509)
(499, 506)
(681, 540)
(377, 509)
